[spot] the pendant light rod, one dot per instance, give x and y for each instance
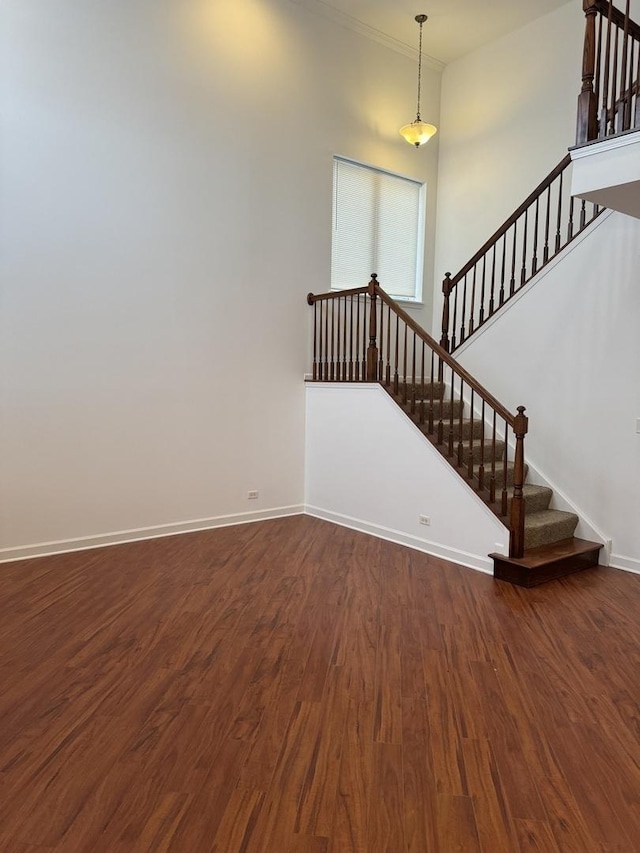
(418, 132)
(420, 19)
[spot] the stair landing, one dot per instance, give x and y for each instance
(547, 562)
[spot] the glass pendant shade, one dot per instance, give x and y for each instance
(418, 132)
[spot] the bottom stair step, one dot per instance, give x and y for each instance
(547, 562)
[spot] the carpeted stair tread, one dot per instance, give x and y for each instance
(548, 526)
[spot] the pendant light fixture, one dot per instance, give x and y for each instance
(418, 132)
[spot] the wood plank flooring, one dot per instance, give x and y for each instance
(296, 686)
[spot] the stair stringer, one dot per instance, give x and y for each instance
(367, 466)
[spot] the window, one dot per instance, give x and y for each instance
(378, 226)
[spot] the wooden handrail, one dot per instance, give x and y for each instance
(447, 359)
(311, 297)
(617, 16)
(506, 225)
(540, 227)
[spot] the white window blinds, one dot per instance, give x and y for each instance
(378, 226)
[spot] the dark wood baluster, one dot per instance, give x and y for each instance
(630, 87)
(512, 282)
(559, 220)
(381, 339)
(473, 301)
(455, 318)
(636, 121)
(446, 290)
(520, 428)
(523, 270)
(422, 380)
(451, 400)
(547, 222)
(583, 214)
(351, 339)
(572, 201)
(315, 340)
(345, 375)
(492, 479)
(482, 289)
(503, 268)
(323, 367)
(598, 78)
(413, 376)
(464, 310)
(614, 79)
(332, 341)
(534, 259)
(356, 365)
(493, 282)
(440, 436)
(624, 109)
(604, 112)
(395, 368)
(365, 324)
(481, 468)
(432, 390)
(387, 377)
(505, 472)
(404, 365)
(460, 426)
(471, 420)
(336, 310)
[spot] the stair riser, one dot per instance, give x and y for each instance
(442, 410)
(467, 430)
(426, 392)
(499, 471)
(522, 576)
(535, 504)
(478, 453)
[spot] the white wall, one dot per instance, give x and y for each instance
(370, 468)
(569, 350)
(165, 207)
(508, 117)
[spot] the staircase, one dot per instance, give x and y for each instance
(550, 549)
(363, 335)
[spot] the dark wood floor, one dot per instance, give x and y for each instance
(296, 686)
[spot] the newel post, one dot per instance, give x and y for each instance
(516, 545)
(446, 290)
(587, 126)
(372, 350)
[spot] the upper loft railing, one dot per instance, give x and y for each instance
(609, 102)
(546, 221)
(363, 335)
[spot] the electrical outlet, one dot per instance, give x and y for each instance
(424, 519)
(638, 425)
(252, 495)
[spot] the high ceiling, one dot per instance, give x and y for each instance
(455, 27)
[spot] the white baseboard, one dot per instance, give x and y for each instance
(453, 555)
(627, 564)
(82, 543)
